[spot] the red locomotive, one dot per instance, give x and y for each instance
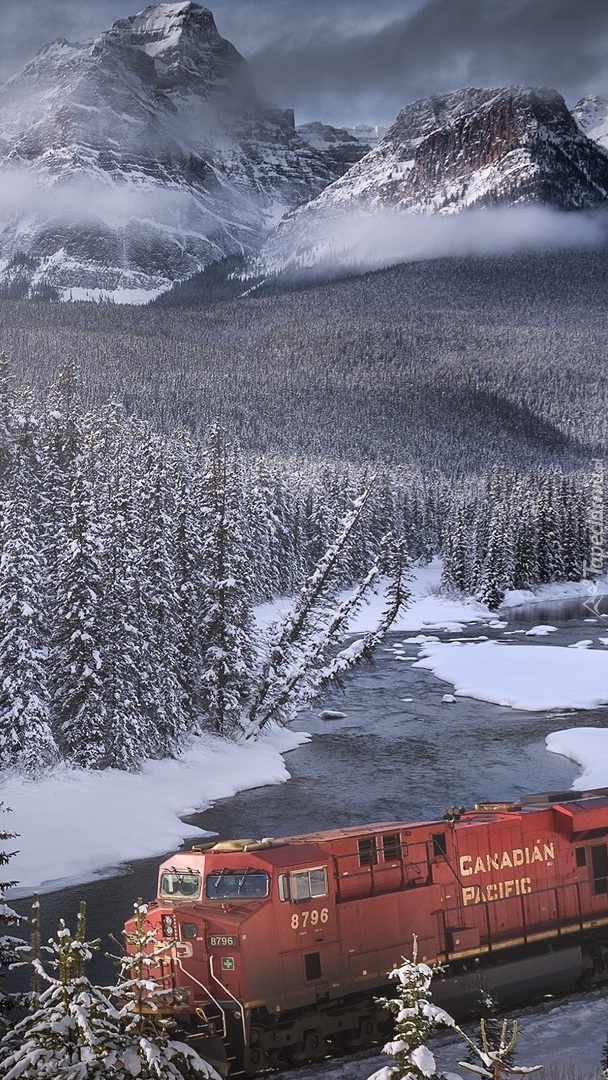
(281, 945)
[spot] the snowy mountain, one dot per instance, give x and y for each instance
(368, 133)
(339, 146)
(478, 148)
(591, 115)
(515, 146)
(135, 159)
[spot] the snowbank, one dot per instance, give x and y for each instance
(76, 825)
(588, 747)
(525, 677)
(427, 609)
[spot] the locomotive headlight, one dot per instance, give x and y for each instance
(168, 926)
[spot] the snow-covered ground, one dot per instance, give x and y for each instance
(524, 677)
(75, 825)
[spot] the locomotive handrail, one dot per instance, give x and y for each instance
(189, 975)
(230, 995)
(568, 917)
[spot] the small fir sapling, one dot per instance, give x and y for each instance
(148, 1051)
(493, 1029)
(494, 1056)
(417, 1020)
(8, 918)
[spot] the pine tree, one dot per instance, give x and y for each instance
(120, 626)
(417, 1019)
(228, 658)
(147, 1050)
(8, 918)
(164, 692)
(79, 699)
(71, 1030)
(26, 739)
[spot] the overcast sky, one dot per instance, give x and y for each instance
(351, 61)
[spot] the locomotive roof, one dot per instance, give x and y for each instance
(578, 811)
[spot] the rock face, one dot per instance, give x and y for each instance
(136, 159)
(479, 148)
(591, 115)
(514, 146)
(340, 147)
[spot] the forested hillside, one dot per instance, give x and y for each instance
(131, 560)
(446, 366)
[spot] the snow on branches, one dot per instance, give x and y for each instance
(417, 1020)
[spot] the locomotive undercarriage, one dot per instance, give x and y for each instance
(356, 1022)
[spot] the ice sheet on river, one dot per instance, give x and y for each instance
(528, 677)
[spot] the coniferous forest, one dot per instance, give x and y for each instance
(161, 473)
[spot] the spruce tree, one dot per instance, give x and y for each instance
(417, 1019)
(8, 918)
(26, 739)
(147, 1050)
(70, 1031)
(228, 658)
(78, 645)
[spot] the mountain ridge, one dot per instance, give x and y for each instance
(159, 114)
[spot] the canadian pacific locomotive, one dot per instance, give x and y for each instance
(280, 946)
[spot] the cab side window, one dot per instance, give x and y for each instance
(303, 884)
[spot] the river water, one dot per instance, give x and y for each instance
(398, 752)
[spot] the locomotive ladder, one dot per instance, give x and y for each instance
(211, 1018)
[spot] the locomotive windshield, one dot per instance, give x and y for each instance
(174, 884)
(237, 884)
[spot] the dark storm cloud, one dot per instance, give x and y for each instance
(353, 60)
(27, 25)
(444, 45)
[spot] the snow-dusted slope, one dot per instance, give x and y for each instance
(340, 148)
(479, 147)
(135, 159)
(507, 147)
(591, 115)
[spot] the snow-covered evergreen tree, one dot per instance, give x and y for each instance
(147, 1050)
(417, 1019)
(26, 739)
(8, 918)
(228, 657)
(164, 691)
(71, 1030)
(77, 662)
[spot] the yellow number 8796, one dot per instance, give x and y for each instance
(309, 918)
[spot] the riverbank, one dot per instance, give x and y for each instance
(75, 826)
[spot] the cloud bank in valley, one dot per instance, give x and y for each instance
(370, 240)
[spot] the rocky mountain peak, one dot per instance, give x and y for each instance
(591, 115)
(138, 157)
(183, 43)
(476, 147)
